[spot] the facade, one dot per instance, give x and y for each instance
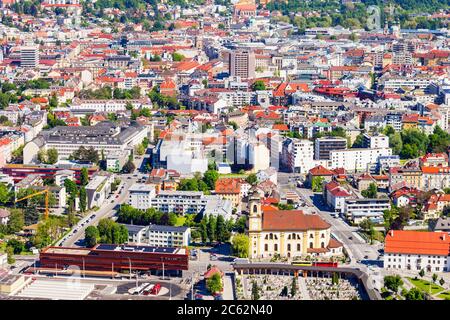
(288, 233)
(417, 250)
(159, 236)
(357, 159)
(357, 210)
(97, 190)
(297, 155)
(377, 141)
(323, 147)
(116, 258)
(141, 195)
(242, 64)
(29, 57)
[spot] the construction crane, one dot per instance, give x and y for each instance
(46, 191)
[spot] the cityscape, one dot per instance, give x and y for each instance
(236, 150)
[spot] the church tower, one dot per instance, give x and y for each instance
(255, 214)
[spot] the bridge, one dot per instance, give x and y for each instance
(366, 289)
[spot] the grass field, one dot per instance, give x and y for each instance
(444, 295)
(425, 285)
(233, 175)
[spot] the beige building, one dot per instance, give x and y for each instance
(242, 64)
(289, 233)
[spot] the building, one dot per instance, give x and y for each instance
(417, 250)
(98, 189)
(357, 159)
(230, 189)
(29, 57)
(105, 137)
(288, 233)
(141, 195)
(335, 196)
(4, 216)
(111, 258)
(375, 141)
(323, 147)
(159, 236)
(357, 210)
(297, 155)
(242, 64)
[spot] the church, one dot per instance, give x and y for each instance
(289, 233)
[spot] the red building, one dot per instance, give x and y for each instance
(116, 258)
(20, 171)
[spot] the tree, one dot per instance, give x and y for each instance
(294, 287)
(240, 224)
(91, 236)
(214, 283)
(414, 294)
(252, 179)
(10, 255)
(128, 167)
(393, 283)
(17, 245)
(371, 192)
(31, 215)
(441, 281)
(421, 273)
(177, 56)
(84, 177)
(258, 85)
(210, 177)
(220, 229)
(240, 245)
(16, 220)
(211, 228)
(359, 141)
(255, 291)
(52, 156)
(204, 229)
(434, 277)
(83, 199)
(140, 149)
(317, 184)
(5, 194)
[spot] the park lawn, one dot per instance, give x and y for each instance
(425, 285)
(444, 295)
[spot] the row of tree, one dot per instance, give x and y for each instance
(107, 231)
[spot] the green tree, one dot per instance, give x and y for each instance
(10, 255)
(214, 283)
(52, 156)
(204, 229)
(84, 176)
(294, 287)
(317, 184)
(83, 199)
(359, 141)
(5, 194)
(221, 229)
(393, 283)
(91, 236)
(211, 228)
(258, 85)
(414, 294)
(210, 177)
(371, 192)
(140, 149)
(177, 56)
(434, 277)
(252, 179)
(17, 245)
(255, 291)
(16, 220)
(240, 245)
(422, 273)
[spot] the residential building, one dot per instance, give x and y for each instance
(141, 195)
(323, 147)
(159, 235)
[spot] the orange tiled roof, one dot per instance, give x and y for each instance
(228, 185)
(292, 220)
(417, 242)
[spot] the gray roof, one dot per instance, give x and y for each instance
(442, 224)
(133, 229)
(155, 227)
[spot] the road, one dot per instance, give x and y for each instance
(109, 208)
(356, 247)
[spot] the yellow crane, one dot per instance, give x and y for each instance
(46, 191)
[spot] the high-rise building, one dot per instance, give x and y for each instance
(29, 56)
(242, 64)
(323, 146)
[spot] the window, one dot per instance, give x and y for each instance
(275, 247)
(322, 245)
(266, 247)
(311, 245)
(298, 246)
(311, 236)
(323, 235)
(289, 247)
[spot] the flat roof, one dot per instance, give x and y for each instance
(138, 248)
(81, 252)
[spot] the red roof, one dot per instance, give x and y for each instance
(292, 220)
(320, 171)
(417, 242)
(228, 185)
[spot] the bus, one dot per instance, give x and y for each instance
(315, 264)
(302, 263)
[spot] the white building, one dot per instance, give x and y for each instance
(159, 236)
(417, 250)
(298, 155)
(376, 141)
(141, 195)
(29, 57)
(356, 159)
(357, 210)
(97, 190)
